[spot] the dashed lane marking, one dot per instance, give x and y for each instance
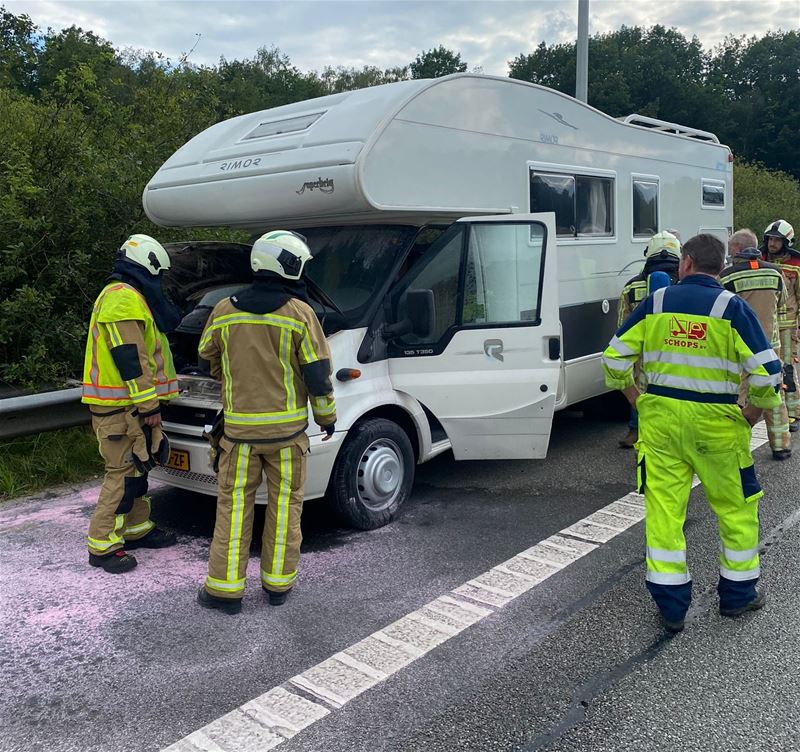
(285, 710)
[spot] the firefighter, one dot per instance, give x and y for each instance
(777, 249)
(761, 285)
(662, 255)
(696, 338)
(267, 348)
(127, 373)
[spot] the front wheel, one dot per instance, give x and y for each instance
(373, 474)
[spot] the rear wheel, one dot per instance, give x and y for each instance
(373, 474)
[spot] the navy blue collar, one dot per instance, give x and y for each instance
(700, 279)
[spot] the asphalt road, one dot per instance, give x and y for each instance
(578, 661)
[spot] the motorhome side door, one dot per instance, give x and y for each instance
(476, 337)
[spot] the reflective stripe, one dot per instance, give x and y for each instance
(226, 369)
(282, 513)
(620, 346)
(288, 374)
(269, 319)
(685, 359)
(265, 419)
(147, 394)
(662, 554)
(759, 359)
(663, 578)
(721, 304)
(105, 392)
(732, 574)
(617, 364)
(658, 300)
(322, 407)
(228, 586)
(145, 528)
(237, 511)
(732, 555)
(114, 537)
(772, 379)
(307, 347)
(275, 579)
(113, 333)
(695, 385)
(171, 387)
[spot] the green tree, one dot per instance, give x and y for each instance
(436, 63)
(18, 51)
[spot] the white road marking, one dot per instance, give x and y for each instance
(279, 714)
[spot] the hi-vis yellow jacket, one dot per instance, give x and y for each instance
(270, 366)
(695, 338)
(128, 360)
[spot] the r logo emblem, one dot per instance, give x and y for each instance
(494, 349)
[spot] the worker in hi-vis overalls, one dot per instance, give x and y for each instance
(128, 372)
(268, 349)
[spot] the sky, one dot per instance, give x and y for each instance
(388, 33)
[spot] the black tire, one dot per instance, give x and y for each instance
(373, 475)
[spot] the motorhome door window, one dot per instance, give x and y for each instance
(502, 280)
(645, 208)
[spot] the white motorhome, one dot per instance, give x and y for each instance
(471, 238)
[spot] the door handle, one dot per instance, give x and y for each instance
(554, 348)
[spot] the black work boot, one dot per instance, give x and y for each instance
(116, 562)
(754, 605)
(226, 605)
(673, 627)
(781, 454)
(630, 439)
(277, 599)
(794, 425)
(156, 538)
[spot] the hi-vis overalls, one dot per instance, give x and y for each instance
(270, 365)
(694, 340)
(127, 370)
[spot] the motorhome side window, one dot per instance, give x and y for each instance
(645, 208)
(583, 204)
(714, 194)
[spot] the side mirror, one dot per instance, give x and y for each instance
(420, 315)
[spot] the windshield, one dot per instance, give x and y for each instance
(351, 264)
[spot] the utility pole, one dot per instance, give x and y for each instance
(582, 65)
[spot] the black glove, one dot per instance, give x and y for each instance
(329, 429)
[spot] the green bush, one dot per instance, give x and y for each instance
(761, 195)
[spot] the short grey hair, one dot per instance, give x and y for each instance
(744, 238)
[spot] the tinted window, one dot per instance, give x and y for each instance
(645, 208)
(595, 206)
(555, 193)
(713, 193)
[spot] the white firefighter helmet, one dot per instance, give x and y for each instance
(780, 228)
(147, 252)
(664, 242)
(281, 251)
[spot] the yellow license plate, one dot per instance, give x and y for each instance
(178, 459)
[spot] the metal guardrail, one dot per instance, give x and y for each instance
(47, 411)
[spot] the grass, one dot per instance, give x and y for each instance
(31, 463)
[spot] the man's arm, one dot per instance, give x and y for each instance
(314, 357)
(623, 351)
(757, 358)
(126, 343)
(209, 348)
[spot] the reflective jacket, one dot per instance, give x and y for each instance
(128, 360)
(694, 339)
(270, 366)
(789, 265)
(636, 288)
(761, 285)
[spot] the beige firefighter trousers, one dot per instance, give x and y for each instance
(123, 509)
(241, 469)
